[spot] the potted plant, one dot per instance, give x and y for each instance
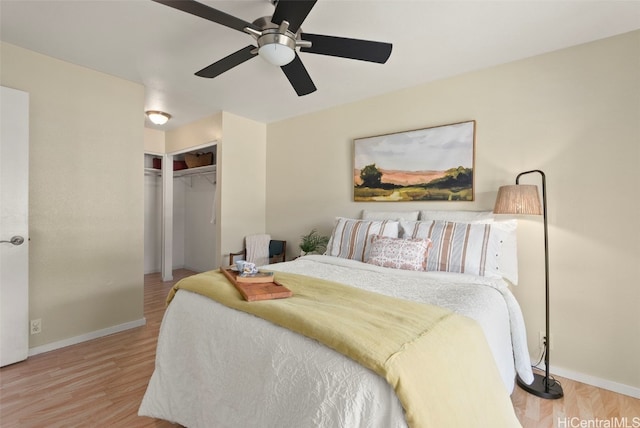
(313, 243)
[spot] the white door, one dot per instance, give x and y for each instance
(14, 226)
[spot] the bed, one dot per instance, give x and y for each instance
(221, 367)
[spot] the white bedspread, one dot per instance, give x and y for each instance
(218, 367)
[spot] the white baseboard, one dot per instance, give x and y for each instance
(159, 269)
(610, 385)
(85, 337)
(191, 269)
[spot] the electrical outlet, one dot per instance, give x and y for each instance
(36, 326)
(541, 336)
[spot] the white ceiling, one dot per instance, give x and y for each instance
(162, 48)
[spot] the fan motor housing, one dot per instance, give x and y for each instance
(271, 33)
(273, 36)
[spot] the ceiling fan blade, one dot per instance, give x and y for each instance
(298, 77)
(292, 11)
(363, 50)
(227, 62)
(209, 13)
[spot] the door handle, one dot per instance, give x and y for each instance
(15, 240)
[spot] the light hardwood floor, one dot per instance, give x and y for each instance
(100, 384)
(582, 406)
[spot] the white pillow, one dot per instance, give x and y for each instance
(458, 216)
(474, 248)
(350, 237)
(407, 254)
(506, 231)
(389, 215)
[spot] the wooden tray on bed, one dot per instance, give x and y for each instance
(253, 291)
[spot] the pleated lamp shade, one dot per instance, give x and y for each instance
(518, 199)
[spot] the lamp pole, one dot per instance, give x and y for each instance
(543, 387)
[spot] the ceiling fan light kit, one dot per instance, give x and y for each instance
(276, 54)
(276, 44)
(278, 37)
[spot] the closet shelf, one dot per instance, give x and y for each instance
(201, 170)
(152, 171)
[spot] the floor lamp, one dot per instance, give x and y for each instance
(524, 199)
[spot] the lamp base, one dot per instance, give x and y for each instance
(551, 390)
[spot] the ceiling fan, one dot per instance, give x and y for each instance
(278, 37)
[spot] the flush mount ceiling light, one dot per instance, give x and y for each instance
(158, 117)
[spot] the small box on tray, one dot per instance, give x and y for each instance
(263, 276)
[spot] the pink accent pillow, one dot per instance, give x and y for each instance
(407, 254)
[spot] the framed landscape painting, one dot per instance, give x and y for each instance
(430, 164)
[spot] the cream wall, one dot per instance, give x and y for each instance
(203, 131)
(85, 195)
(153, 140)
(242, 182)
(573, 113)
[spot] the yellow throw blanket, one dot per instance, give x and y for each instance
(438, 362)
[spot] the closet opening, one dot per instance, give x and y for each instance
(180, 208)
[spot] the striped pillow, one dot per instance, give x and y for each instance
(458, 247)
(350, 238)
